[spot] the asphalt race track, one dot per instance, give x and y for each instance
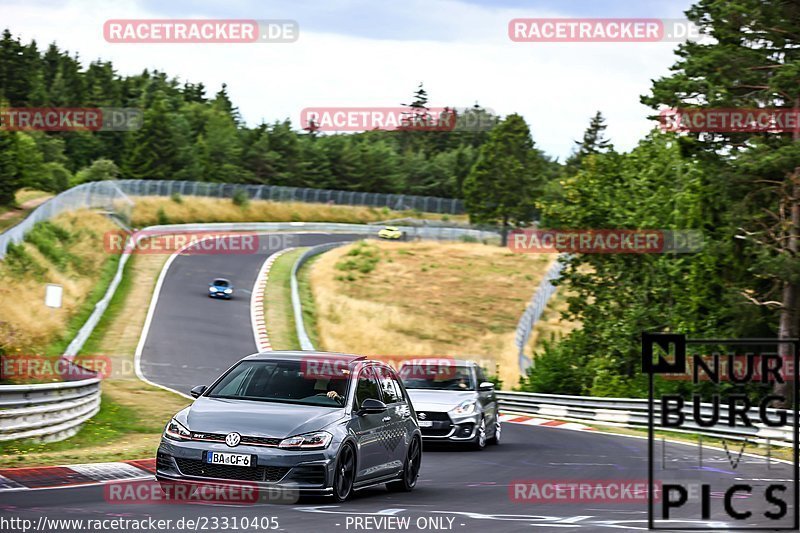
(193, 338)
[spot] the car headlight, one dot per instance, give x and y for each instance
(177, 431)
(228, 291)
(212, 289)
(467, 407)
(318, 440)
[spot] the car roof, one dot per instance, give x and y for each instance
(300, 355)
(438, 360)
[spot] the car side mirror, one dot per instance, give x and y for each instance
(371, 406)
(486, 386)
(197, 391)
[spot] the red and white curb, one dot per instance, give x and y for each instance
(257, 303)
(46, 477)
(527, 420)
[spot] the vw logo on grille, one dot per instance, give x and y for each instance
(422, 416)
(232, 439)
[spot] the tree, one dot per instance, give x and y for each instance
(503, 184)
(101, 169)
(9, 171)
(153, 151)
(594, 142)
(755, 62)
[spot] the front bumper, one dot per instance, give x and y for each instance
(447, 427)
(302, 471)
(220, 294)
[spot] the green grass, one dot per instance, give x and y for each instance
(307, 300)
(278, 303)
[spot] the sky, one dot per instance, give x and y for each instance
(360, 53)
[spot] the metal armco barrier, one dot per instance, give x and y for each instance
(633, 413)
(47, 411)
(302, 334)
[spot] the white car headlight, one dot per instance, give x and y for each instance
(228, 291)
(318, 440)
(177, 431)
(467, 407)
(212, 289)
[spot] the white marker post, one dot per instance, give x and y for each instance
(53, 295)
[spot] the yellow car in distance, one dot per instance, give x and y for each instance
(390, 232)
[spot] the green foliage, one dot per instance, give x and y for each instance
(52, 242)
(240, 198)
(507, 178)
(19, 261)
(362, 258)
(101, 169)
(162, 218)
(176, 197)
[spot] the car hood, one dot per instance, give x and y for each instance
(254, 418)
(438, 400)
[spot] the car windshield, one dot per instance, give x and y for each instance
(437, 377)
(220, 283)
(284, 382)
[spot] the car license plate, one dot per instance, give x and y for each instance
(229, 459)
(426, 423)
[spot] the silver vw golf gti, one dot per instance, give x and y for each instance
(313, 422)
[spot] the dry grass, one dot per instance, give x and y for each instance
(26, 324)
(193, 209)
(426, 298)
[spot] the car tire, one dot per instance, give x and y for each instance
(497, 432)
(345, 474)
(410, 469)
(479, 441)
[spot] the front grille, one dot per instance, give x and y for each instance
(260, 441)
(436, 431)
(435, 416)
(252, 441)
(195, 468)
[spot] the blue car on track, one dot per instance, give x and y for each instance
(220, 288)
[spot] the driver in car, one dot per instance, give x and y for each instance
(336, 389)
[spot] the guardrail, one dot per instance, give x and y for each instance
(533, 312)
(634, 413)
(47, 411)
(302, 335)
